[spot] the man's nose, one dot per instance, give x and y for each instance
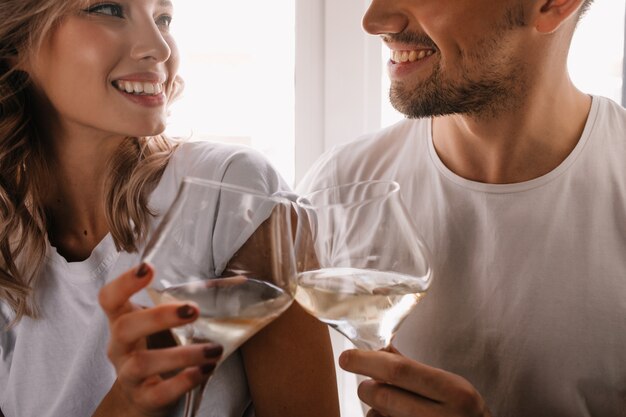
(384, 17)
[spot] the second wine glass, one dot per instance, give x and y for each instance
(363, 264)
(229, 250)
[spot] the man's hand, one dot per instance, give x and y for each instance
(401, 387)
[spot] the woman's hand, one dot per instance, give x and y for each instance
(401, 387)
(140, 389)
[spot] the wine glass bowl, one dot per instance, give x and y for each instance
(363, 266)
(229, 250)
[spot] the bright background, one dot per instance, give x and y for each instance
(237, 60)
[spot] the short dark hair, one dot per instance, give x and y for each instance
(584, 7)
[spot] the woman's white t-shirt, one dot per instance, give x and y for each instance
(56, 366)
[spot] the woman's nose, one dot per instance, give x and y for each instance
(149, 43)
(384, 17)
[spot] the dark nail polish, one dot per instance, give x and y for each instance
(186, 311)
(208, 368)
(212, 351)
(142, 271)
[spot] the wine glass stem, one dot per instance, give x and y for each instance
(192, 401)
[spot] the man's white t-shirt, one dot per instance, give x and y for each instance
(56, 366)
(528, 300)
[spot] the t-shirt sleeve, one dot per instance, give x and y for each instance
(235, 223)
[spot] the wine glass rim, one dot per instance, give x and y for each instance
(235, 188)
(304, 200)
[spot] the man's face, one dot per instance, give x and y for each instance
(452, 56)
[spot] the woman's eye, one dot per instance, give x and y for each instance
(164, 20)
(114, 10)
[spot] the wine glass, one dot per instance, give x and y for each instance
(229, 250)
(363, 266)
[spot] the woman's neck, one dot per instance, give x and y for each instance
(75, 203)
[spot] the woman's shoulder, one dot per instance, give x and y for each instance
(212, 160)
(231, 163)
(192, 153)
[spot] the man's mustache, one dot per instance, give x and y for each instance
(411, 39)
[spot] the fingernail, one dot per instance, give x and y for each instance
(343, 359)
(212, 351)
(207, 368)
(143, 270)
(186, 311)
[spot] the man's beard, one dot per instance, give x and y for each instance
(486, 87)
(486, 96)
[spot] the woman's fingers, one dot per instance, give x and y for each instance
(145, 375)
(114, 297)
(146, 363)
(165, 392)
(134, 326)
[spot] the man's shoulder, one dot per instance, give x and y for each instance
(610, 114)
(374, 155)
(385, 142)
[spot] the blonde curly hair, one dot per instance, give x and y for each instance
(24, 168)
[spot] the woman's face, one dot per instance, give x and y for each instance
(110, 67)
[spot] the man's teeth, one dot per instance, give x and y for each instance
(410, 56)
(138, 87)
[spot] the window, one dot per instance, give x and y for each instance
(237, 60)
(596, 56)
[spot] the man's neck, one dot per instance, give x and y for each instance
(517, 145)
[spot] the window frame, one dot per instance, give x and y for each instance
(328, 41)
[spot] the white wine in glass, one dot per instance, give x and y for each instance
(363, 265)
(231, 309)
(229, 250)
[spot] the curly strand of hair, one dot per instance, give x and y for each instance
(135, 171)
(22, 237)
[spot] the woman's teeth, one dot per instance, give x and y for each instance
(139, 88)
(410, 56)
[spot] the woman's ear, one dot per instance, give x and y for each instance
(553, 13)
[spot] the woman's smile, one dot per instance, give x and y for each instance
(145, 89)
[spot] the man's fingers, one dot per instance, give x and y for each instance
(374, 413)
(391, 349)
(387, 400)
(114, 296)
(399, 371)
(146, 363)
